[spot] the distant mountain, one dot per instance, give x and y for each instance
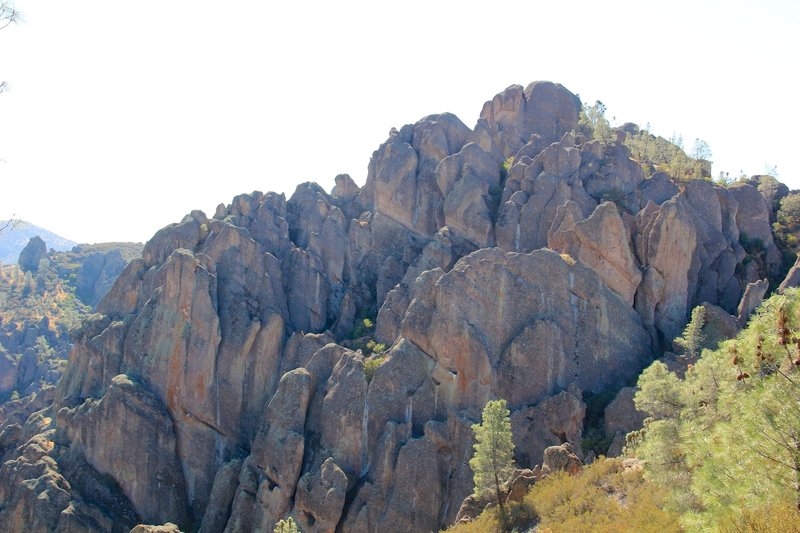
(13, 241)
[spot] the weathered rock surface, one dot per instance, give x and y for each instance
(224, 384)
(751, 299)
(552, 422)
(603, 243)
(792, 278)
(719, 326)
(169, 527)
(541, 326)
(319, 499)
(102, 430)
(621, 417)
(512, 490)
(561, 458)
(32, 254)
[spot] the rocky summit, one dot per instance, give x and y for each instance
(324, 356)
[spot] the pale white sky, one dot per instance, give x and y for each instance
(121, 117)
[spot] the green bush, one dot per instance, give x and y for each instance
(604, 497)
(371, 364)
(286, 526)
(363, 326)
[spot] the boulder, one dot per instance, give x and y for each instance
(751, 299)
(719, 326)
(792, 278)
(319, 499)
(169, 527)
(621, 415)
(8, 373)
(553, 421)
(518, 484)
(32, 254)
(561, 459)
(512, 490)
(345, 188)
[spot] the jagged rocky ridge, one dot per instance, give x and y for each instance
(213, 388)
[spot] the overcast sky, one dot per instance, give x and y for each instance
(121, 117)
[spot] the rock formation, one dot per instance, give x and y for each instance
(42, 300)
(32, 254)
(217, 387)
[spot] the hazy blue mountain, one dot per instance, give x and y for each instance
(12, 241)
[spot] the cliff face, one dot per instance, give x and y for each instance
(215, 388)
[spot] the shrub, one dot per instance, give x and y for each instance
(371, 364)
(782, 517)
(363, 326)
(604, 497)
(286, 526)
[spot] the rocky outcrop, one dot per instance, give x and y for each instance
(543, 111)
(552, 422)
(753, 220)
(718, 326)
(32, 254)
(512, 490)
(319, 499)
(226, 380)
(792, 278)
(169, 527)
(751, 299)
(541, 326)
(620, 418)
(102, 430)
(603, 243)
(41, 305)
(561, 459)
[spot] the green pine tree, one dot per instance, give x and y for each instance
(693, 336)
(494, 451)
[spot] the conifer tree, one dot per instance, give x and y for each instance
(693, 337)
(494, 451)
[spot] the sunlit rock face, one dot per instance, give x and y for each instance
(220, 388)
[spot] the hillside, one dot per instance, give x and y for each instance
(324, 357)
(12, 241)
(41, 300)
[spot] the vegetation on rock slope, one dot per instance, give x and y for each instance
(608, 496)
(242, 321)
(720, 450)
(725, 439)
(38, 308)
